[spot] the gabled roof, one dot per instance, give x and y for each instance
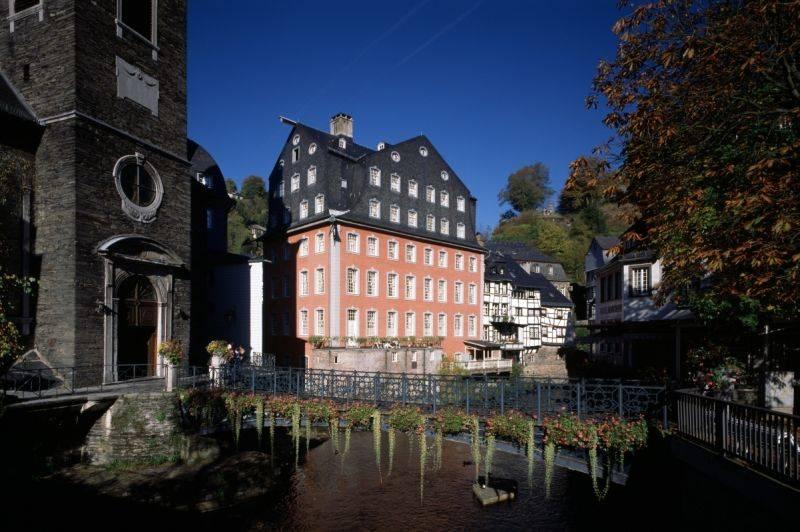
(606, 241)
(499, 267)
(550, 295)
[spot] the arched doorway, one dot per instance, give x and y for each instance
(138, 328)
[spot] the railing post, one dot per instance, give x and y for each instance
(619, 399)
(377, 386)
(719, 417)
(433, 393)
(275, 382)
(466, 382)
(404, 387)
(485, 392)
(502, 396)
(298, 383)
(578, 394)
(252, 380)
(539, 401)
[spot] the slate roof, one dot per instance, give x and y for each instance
(12, 103)
(202, 162)
(607, 241)
(519, 278)
(351, 203)
(519, 251)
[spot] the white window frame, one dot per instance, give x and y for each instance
(319, 321)
(294, 183)
(444, 198)
(391, 323)
(411, 287)
(352, 282)
(458, 325)
(395, 183)
(373, 252)
(428, 256)
(410, 331)
(444, 226)
(430, 223)
(472, 294)
(304, 209)
(459, 261)
(374, 208)
(311, 175)
(442, 324)
(319, 203)
(411, 253)
(473, 264)
(442, 258)
(353, 243)
(373, 283)
(319, 281)
(302, 326)
(394, 214)
(458, 292)
(412, 218)
(303, 247)
(413, 188)
(441, 290)
(375, 176)
(372, 331)
(430, 194)
(427, 324)
(319, 243)
(461, 230)
(393, 245)
(303, 282)
(392, 285)
(427, 289)
(461, 204)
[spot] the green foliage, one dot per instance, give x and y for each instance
(392, 440)
(527, 188)
(451, 367)
(406, 419)
(358, 415)
(451, 420)
(171, 350)
(250, 209)
(511, 426)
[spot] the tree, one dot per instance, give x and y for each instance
(705, 100)
(588, 176)
(527, 188)
(251, 209)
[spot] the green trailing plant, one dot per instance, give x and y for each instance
(549, 462)
(376, 438)
(259, 418)
(423, 459)
(475, 443)
(358, 415)
(333, 428)
(438, 438)
(392, 435)
(296, 431)
(451, 420)
(271, 437)
(529, 450)
(490, 446)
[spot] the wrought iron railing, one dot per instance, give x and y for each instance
(765, 439)
(26, 383)
(430, 392)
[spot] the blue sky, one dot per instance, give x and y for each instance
(495, 85)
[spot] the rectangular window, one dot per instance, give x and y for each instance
(375, 176)
(461, 230)
(473, 325)
(303, 247)
(295, 155)
(394, 182)
(303, 209)
(319, 204)
(319, 243)
(427, 324)
(427, 294)
(295, 183)
(428, 257)
(372, 283)
(412, 188)
(458, 325)
(473, 264)
(412, 218)
(411, 253)
(430, 194)
(303, 323)
(372, 323)
(311, 175)
(394, 214)
(444, 198)
(444, 226)
(443, 259)
(391, 249)
(459, 292)
(286, 290)
(460, 204)
(443, 325)
(135, 14)
(281, 187)
(320, 325)
(374, 209)
(430, 223)
(459, 261)
(352, 242)
(391, 323)
(352, 281)
(320, 281)
(442, 291)
(372, 246)
(411, 287)
(391, 285)
(473, 294)
(640, 281)
(304, 283)
(410, 324)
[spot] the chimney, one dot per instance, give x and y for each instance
(342, 124)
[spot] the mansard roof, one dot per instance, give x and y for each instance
(343, 178)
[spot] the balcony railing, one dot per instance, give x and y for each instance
(488, 364)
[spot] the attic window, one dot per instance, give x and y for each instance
(423, 151)
(445, 175)
(395, 157)
(312, 148)
(137, 15)
(381, 145)
(296, 140)
(295, 154)
(343, 144)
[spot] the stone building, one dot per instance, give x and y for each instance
(118, 215)
(368, 248)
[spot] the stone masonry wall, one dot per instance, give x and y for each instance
(378, 360)
(136, 428)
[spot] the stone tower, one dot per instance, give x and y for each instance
(112, 186)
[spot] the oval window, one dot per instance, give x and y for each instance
(395, 156)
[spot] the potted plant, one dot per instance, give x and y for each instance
(172, 352)
(220, 351)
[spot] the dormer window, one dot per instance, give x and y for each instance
(375, 176)
(394, 181)
(312, 148)
(319, 204)
(430, 223)
(342, 144)
(460, 230)
(461, 204)
(303, 209)
(430, 194)
(423, 151)
(312, 175)
(295, 186)
(381, 146)
(296, 140)
(445, 175)
(394, 214)
(135, 15)
(444, 226)
(444, 198)
(374, 208)
(281, 188)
